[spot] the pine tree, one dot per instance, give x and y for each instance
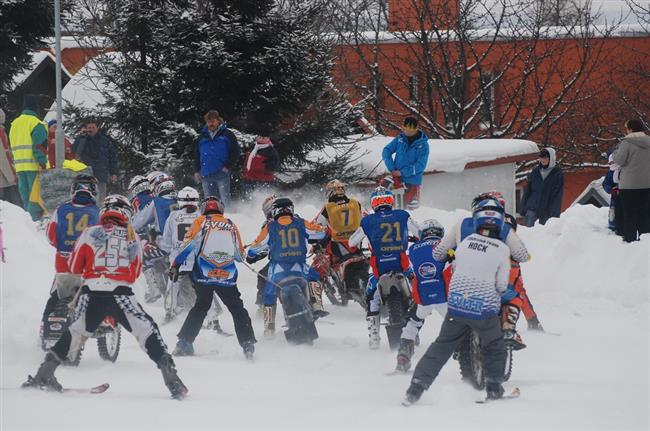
(260, 66)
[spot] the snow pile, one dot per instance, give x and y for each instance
(590, 369)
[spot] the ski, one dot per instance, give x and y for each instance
(516, 392)
(94, 390)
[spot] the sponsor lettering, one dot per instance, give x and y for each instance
(466, 303)
(478, 247)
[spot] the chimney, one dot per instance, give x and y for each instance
(412, 15)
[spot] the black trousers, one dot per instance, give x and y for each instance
(636, 213)
(453, 330)
(91, 310)
(231, 298)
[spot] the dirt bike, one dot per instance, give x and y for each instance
(396, 300)
(154, 267)
(298, 314)
(345, 280)
(470, 359)
(108, 334)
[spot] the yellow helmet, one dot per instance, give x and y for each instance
(335, 188)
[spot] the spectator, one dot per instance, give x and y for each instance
(8, 178)
(94, 149)
(51, 145)
(411, 150)
(260, 163)
(610, 185)
(633, 157)
(216, 152)
(27, 132)
(543, 194)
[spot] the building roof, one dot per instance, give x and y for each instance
(39, 61)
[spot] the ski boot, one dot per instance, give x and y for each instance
(316, 292)
(374, 340)
(513, 340)
(535, 325)
(413, 394)
(172, 381)
(494, 390)
(44, 378)
(404, 355)
(183, 348)
(269, 321)
(249, 350)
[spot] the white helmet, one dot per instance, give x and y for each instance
(188, 197)
(138, 185)
(267, 206)
(165, 187)
(431, 227)
(157, 177)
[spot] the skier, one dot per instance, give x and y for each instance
(429, 290)
(109, 258)
(69, 220)
(155, 214)
(140, 192)
(341, 216)
(481, 267)
(284, 239)
(211, 247)
(388, 232)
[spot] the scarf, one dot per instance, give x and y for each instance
(253, 153)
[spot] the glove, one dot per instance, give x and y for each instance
(173, 273)
(252, 259)
(451, 255)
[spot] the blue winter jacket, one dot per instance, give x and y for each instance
(410, 159)
(212, 154)
(543, 196)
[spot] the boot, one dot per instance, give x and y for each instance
(373, 332)
(494, 390)
(44, 378)
(404, 355)
(183, 348)
(509, 317)
(513, 339)
(269, 321)
(249, 350)
(413, 394)
(172, 381)
(535, 325)
(316, 292)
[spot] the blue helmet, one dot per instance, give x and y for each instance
(488, 217)
(382, 198)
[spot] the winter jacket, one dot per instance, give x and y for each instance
(51, 148)
(633, 156)
(213, 153)
(410, 158)
(98, 152)
(260, 163)
(26, 134)
(544, 196)
(7, 171)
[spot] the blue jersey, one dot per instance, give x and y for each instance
(387, 232)
(164, 207)
(142, 200)
(71, 220)
(287, 243)
(428, 272)
(467, 228)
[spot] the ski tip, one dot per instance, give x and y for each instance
(100, 389)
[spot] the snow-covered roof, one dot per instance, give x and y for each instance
(594, 191)
(445, 155)
(37, 58)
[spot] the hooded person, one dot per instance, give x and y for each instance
(542, 197)
(260, 163)
(8, 177)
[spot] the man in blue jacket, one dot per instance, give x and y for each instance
(543, 194)
(217, 151)
(411, 150)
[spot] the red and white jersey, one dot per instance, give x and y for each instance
(107, 256)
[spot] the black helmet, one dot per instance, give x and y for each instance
(282, 206)
(84, 185)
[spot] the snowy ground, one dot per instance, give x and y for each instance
(590, 371)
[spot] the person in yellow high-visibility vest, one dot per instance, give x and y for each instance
(26, 132)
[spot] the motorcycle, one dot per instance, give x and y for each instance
(154, 267)
(108, 334)
(396, 300)
(344, 280)
(470, 360)
(298, 314)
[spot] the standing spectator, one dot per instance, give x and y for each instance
(8, 178)
(260, 163)
(216, 152)
(411, 150)
(27, 132)
(633, 157)
(51, 145)
(94, 149)
(543, 194)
